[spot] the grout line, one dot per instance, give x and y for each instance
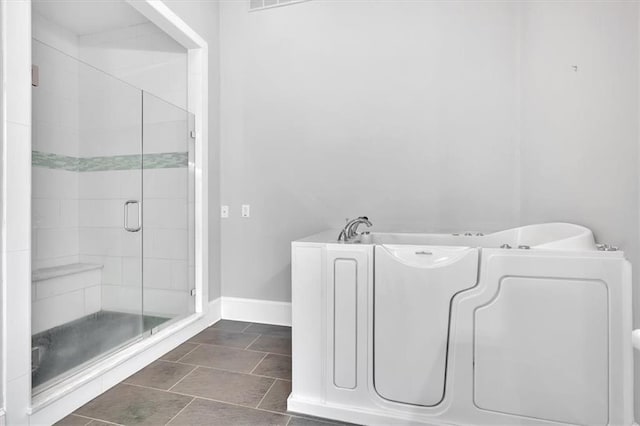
(245, 329)
(227, 371)
(229, 403)
(90, 419)
(93, 419)
(185, 376)
(239, 348)
(203, 397)
(265, 394)
(197, 346)
(143, 386)
(259, 362)
(103, 421)
(178, 413)
(269, 352)
(228, 347)
(254, 340)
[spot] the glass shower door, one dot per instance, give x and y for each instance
(168, 192)
(87, 216)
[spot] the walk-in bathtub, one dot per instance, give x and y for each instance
(526, 326)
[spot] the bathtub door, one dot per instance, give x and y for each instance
(413, 288)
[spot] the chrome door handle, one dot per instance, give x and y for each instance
(126, 216)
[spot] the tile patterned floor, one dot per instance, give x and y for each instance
(232, 373)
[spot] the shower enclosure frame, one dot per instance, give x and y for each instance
(53, 404)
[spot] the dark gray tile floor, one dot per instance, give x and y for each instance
(233, 373)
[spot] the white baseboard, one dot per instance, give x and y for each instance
(254, 310)
(214, 311)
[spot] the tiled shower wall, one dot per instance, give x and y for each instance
(146, 58)
(87, 163)
(55, 131)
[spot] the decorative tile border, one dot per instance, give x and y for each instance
(54, 161)
(164, 160)
(115, 162)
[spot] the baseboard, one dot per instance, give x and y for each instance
(254, 310)
(214, 311)
(635, 338)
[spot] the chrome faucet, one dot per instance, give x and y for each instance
(350, 230)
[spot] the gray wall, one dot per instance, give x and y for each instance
(425, 116)
(403, 111)
(204, 18)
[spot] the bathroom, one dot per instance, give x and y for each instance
(242, 126)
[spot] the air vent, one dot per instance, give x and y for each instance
(267, 4)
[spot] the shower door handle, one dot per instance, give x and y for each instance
(126, 216)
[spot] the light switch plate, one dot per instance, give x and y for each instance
(224, 211)
(246, 210)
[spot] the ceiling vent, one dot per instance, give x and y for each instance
(267, 4)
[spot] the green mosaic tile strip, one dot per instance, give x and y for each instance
(115, 162)
(54, 161)
(164, 160)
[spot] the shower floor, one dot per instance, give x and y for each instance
(63, 348)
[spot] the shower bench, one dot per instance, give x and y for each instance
(64, 293)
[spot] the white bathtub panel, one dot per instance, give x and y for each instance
(541, 350)
(413, 292)
(345, 288)
(308, 334)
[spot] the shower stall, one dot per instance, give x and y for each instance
(113, 193)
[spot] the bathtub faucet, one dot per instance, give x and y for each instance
(350, 230)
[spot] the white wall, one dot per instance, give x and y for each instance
(425, 116)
